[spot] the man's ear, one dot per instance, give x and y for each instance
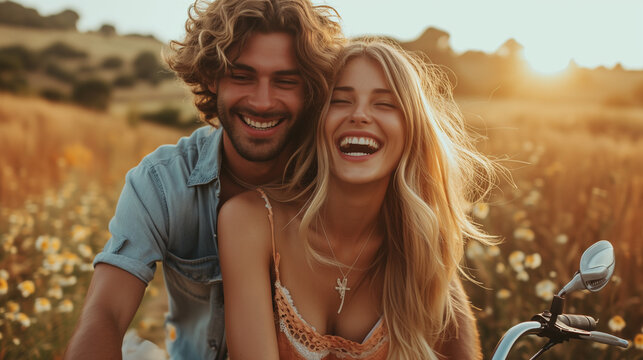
(213, 87)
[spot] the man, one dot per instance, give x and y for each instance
(261, 68)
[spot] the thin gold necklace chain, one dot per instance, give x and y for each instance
(238, 181)
(335, 257)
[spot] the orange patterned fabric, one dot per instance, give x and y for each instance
(298, 340)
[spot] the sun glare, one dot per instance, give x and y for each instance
(546, 65)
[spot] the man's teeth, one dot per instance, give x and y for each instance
(354, 140)
(259, 125)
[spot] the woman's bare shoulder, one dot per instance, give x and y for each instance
(243, 222)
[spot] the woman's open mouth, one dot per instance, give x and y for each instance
(358, 145)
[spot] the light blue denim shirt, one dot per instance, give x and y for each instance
(168, 212)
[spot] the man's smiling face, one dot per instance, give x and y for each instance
(261, 97)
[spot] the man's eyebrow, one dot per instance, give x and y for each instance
(240, 66)
(290, 72)
(244, 67)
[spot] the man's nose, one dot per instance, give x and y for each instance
(261, 98)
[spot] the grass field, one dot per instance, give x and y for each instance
(578, 177)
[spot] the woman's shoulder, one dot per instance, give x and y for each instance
(244, 220)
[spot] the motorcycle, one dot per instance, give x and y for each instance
(596, 268)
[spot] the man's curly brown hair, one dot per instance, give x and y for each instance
(215, 27)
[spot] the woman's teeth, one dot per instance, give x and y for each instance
(358, 146)
(259, 125)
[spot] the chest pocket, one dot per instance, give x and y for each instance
(194, 277)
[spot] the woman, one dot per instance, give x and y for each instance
(363, 262)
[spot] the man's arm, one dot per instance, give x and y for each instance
(112, 300)
(463, 344)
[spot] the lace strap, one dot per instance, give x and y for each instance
(275, 255)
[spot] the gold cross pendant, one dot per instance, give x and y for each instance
(341, 289)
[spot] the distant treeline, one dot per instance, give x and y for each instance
(76, 77)
(14, 14)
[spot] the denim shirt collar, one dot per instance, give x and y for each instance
(209, 163)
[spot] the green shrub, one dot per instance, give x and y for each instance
(63, 51)
(57, 72)
(15, 82)
(52, 94)
(147, 67)
(166, 116)
(112, 62)
(124, 81)
(27, 59)
(93, 93)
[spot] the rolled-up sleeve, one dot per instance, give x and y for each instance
(139, 227)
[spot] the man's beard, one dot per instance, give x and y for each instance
(259, 149)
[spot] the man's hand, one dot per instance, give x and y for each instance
(112, 300)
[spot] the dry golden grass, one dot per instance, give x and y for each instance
(578, 175)
(579, 179)
(42, 142)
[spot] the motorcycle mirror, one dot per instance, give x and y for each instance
(596, 268)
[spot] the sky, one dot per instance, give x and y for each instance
(553, 32)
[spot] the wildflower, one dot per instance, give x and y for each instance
(474, 250)
(638, 341)
(53, 262)
(12, 307)
(42, 305)
(533, 261)
(171, 331)
(23, 319)
(80, 233)
(523, 233)
(67, 281)
(55, 292)
(532, 198)
(500, 268)
(616, 279)
(4, 286)
(515, 260)
(48, 245)
(86, 267)
(503, 294)
(561, 239)
(4, 274)
(522, 276)
(519, 215)
(493, 251)
(27, 288)
(616, 323)
(66, 306)
(85, 251)
(553, 274)
(16, 341)
(545, 289)
(68, 268)
(481, 210)
(77, 155)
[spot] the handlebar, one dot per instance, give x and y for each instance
(567, 327)
(582, 322)
(512, 335)
(603, 338)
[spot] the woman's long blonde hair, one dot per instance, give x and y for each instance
(426, 207)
